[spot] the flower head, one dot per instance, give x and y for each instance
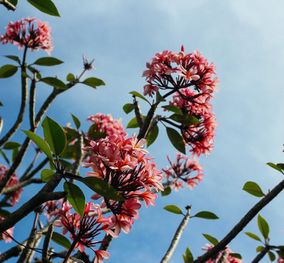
(86, 229)
(30, 33)
(122, 162)
(176, 70)
(183, 170)
(106, 125)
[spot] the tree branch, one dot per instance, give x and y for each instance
(177, 236)
(261, 255)
(20, 117)
(44, 195)
(242, 223)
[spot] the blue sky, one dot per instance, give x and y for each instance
(245, 41)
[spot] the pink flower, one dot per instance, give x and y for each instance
(223, 256)
(183, 170)
(101, 255)
(14, 196)
(30, 33)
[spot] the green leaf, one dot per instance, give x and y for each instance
(259, 248)
(7, 71)
(93, 82)
(46, 175)
(70, 77)
(271, 256)
(76, 197)
(206, 215)
(48, 61)
(46, 6)
(281, 166)
(132, 123)
(128, 107)
(54, 135)
(14, 58)
(214, 241)
(187, 256)
(76, 121)
(42, 145)
(236, 255)
(61, 240)
(275, 166)
(253, 189)
(185, 119)
(263, 226)
(152, 135)
(54, 82)
(5, 156)
(11, 145)
(173, 209)
(102, 188)
(137, 94)
(173, 108)
(166, 191)
(253, 236)
(176, 139)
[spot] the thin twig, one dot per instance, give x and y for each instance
(177, 236)
(21, 184)
(25, 253)
(32, 103)
(37, 154)
(46, 242)
(8, 5)
(36, 170)
(137, 111)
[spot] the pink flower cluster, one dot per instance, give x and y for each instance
(192, 80)
(106, 124)
(183, 170)
(199, 136)
(223, 256)
(14, 196)
(176, 70)
(85, 229)
(30, 33)
(122, 162)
